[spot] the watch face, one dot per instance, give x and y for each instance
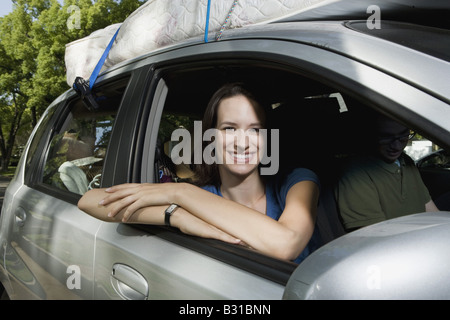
(168, 213)
(171, 208)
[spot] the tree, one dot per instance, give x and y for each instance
(17, 67)
(32, 48)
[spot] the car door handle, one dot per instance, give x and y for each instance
(129, 283)
(21, 216)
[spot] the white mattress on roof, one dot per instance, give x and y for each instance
(159, 23)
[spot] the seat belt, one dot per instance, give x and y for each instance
(84, 88)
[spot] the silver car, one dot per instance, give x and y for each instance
(320, 78)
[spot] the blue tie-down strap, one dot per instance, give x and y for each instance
(83, 88)
(101, 62)
(208, 9)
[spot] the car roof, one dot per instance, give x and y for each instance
(393, 49)
(431, 12)
(320, 24)
(429, 40)
(382, 50)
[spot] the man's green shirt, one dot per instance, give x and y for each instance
(371, 190)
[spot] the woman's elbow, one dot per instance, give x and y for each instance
(293, 246)
(88, 203)
(83, 204)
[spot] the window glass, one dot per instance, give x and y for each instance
(167, 170)
(77, 150)
(38, 136)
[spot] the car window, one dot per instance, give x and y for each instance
(437, 159)
(76, 152)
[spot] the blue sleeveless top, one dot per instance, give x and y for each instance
(276, 193)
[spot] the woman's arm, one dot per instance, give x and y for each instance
(91, 203)
(283, 239)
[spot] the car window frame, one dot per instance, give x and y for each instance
(128, 131)
(40, 137)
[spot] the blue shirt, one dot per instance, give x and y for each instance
(276, 193)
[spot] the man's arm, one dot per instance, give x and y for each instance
(430, 206)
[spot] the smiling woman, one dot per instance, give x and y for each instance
(182, 141)
(232, 111)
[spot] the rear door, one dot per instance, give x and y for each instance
(51, 244)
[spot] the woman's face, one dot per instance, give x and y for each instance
(239, 124)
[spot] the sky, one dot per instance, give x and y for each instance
(6, 7)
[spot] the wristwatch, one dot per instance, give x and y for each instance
(168, 213)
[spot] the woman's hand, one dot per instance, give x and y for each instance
(134, 196)
(145, 203)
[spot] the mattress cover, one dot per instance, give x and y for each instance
(159, 23)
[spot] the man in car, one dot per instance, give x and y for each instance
(384, 183)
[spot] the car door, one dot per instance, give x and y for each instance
(51, 243)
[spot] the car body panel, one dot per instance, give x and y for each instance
(48, 240)
(172, 271)
(402, 258)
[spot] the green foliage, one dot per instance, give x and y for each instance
(32, 48)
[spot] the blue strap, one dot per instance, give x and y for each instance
(207, 20)
(99, 66)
